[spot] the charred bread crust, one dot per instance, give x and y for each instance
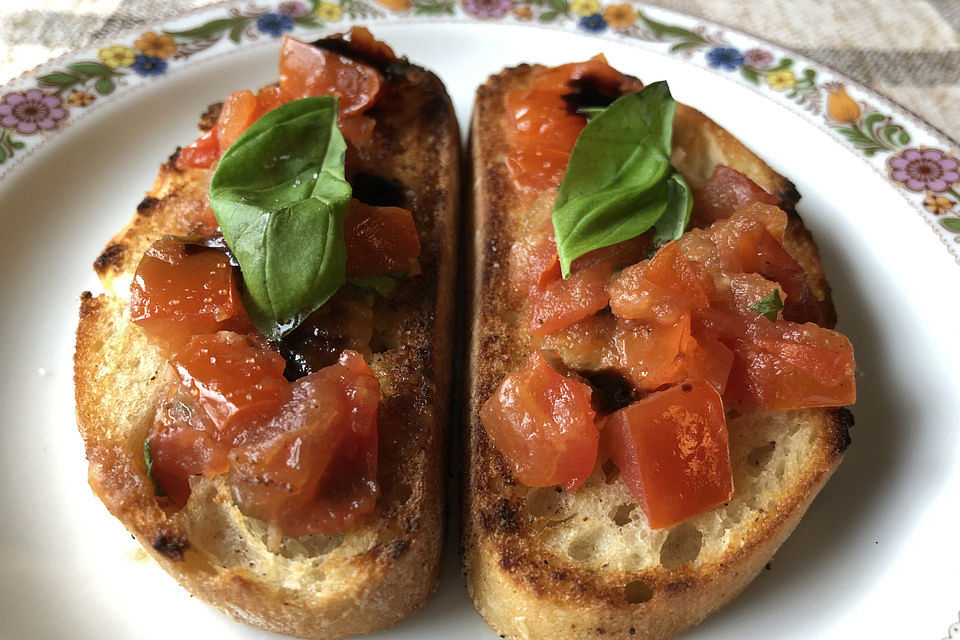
(520, 586)
(384, 568)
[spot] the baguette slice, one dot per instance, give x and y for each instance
(545, 564)
(383, 569)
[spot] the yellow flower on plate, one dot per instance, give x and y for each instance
(937, 205)
(80, 98)
(156, 46)
(117, 56)
(781, 80)
(329, 11)
(585, 7)
(619, 15)
(523, 13)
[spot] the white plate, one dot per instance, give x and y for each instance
(876, 556)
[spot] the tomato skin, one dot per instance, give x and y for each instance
(661, 289)
(726, 191)
(240, 110)
(183, 443)
(381, 241)
(306, 70)
(782, 365)
(559, 303)
(673, 453)
(543, 128)
(543, 424)
(179, 291)
(202, 153)
(653, 356)
(232, 380)
(312, 468)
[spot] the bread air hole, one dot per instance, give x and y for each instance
(547, 502)
(401, 493)
(636, 592)
(681, 546)
(610, 472)
(758, 457)
(621, 515)
(586, 546)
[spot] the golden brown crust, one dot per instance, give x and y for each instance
(521, 584)
(383, 569)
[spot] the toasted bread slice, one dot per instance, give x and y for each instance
(546, 564)
(381, 570)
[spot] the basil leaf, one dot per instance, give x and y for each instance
(280, 197)
(619, 182)
(148, 458)
(769, 306)
(383, 285)
(676, 216)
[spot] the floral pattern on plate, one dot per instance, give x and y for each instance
(926, 174)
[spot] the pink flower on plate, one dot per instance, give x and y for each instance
(924, 169)
(487, 8)
(31, 111)
(294, 9)
(758, 57)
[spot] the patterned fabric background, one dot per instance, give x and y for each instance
(908, 50)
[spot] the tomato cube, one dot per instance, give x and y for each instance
(542, 423)
(726, 191)
(180, 290)
(672, 451)
(381, 241)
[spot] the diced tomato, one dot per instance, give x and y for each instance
(306, 70)
(726, 191)
(542, 424)
(533, 260)
(745, 245)
(661, 289)
(597, 69)
(219, 383)
(182, 290)
(672, 451)
(586, 344)
(743, 290)
(232, 380)
(559, 303)
(184, 443)
(782, 365)
(312, 468)
(240, 110)
(534, 170)
(540, 116)
(202, 153)
(380, 241)
(269, 98)
(654, 356)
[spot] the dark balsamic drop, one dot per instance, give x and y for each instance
(587, 92)
(377, 191)
(611, 390)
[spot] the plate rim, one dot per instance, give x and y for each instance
(877, 137)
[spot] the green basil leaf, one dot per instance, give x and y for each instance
(769, 306)
(385, 286)
(619, 182)
(148, 458)
(676, 216)
(280, 197)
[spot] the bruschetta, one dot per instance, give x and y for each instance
(656, 393)
(262, 389)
